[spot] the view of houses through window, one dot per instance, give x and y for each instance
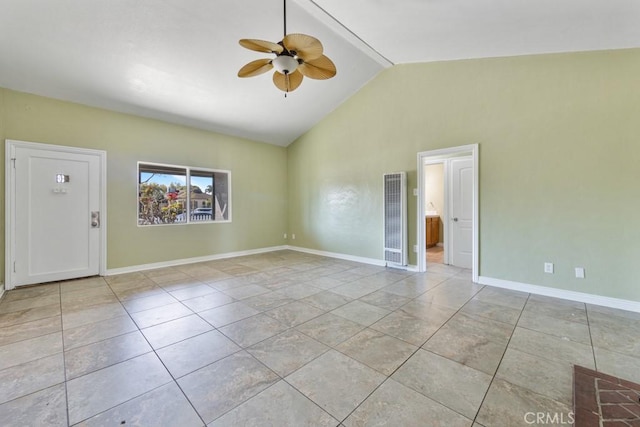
(178, 194)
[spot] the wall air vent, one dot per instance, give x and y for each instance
(395, 219)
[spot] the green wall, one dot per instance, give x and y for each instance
(559, 163)
(259, 177)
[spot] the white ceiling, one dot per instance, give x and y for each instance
(177, 60)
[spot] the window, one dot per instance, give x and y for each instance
(180, 195)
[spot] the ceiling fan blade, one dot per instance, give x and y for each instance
(289, 82)
(321, 68)
(255, 68)
(261, 46)
(306, 47)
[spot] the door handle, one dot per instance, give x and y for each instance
(95, 219)
(454, 219)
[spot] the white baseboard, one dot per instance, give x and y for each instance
(363, 260)
(483, 280)
(563, 294)
(184, 261)
(371, 261)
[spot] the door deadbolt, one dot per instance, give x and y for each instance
(95, 219)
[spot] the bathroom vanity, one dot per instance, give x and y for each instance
(432, 229)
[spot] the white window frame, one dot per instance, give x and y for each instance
(188, 170)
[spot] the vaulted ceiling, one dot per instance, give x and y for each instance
(177, 60)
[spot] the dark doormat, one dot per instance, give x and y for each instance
(600, 400)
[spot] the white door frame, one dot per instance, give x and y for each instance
(10, 198)
(439, 156)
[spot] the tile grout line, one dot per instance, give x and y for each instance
(64, 360)
(407, 359)
(475, 419)
(241, 349)
(105, 367)
(593, 349)
(154, 350)
(175, 380)
(329, 348)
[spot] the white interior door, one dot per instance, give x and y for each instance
(55, 214)
(461, 213)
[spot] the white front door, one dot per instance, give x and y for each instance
(461, 213)
(55, 213)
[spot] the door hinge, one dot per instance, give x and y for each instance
(13, 160)
(14, 266)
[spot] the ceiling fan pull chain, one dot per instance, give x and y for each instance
(286, 78)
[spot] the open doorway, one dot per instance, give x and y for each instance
(448, 208)
(434, 184)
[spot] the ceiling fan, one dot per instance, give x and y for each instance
(297, 56)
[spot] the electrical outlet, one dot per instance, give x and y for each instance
(415, 249)
(293, 237)
(548, 267)
(579, 273)
(285, 235)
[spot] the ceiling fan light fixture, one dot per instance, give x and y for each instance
(285, 64)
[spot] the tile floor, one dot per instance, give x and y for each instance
(291, 339)
(435, 254)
